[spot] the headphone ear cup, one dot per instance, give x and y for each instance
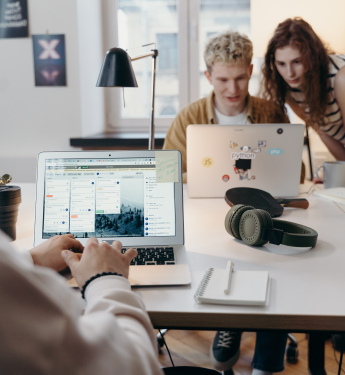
(268, 223)
(251, 225)
(232, 219)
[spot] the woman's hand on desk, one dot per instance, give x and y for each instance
(98, 258)
(48, 253)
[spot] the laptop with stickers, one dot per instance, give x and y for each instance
(131, 196)
(262, 156)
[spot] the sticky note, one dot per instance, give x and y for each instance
(166, 166)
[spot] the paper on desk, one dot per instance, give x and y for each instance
(333, 194)
(166, 166)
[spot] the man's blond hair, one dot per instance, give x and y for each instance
(228, 48)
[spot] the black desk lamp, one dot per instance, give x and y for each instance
(117, 71)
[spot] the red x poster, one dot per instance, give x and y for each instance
(49, 60)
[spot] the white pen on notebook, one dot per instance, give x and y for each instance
(228, 273)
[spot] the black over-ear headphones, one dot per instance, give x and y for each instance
(256, 228)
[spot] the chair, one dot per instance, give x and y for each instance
(160, 339)
(307, 143)
(291, 350)
(183, 370)
(189, 370)
(316, 352)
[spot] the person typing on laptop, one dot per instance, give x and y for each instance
(43, 327)
(228, 58)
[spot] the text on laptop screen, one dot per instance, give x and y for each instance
(106, 198)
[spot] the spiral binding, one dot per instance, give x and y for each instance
(202, 286)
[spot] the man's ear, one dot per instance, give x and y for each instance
(208, 76)
(250, 70)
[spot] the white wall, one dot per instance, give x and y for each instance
(326, 18)
(34, 119)
(91, 55)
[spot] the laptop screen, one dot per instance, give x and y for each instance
(106, 198)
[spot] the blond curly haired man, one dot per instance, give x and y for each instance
(228, 58)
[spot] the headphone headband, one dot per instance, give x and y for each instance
(289, 234)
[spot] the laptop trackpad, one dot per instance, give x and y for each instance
(177, 274)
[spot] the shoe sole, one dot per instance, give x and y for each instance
(224, 366)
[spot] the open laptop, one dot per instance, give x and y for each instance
(262, 156)
(113, 195)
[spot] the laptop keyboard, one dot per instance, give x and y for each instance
(153, 256)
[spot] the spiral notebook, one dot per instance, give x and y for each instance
(244, 287)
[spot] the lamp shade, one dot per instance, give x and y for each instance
(117, 70)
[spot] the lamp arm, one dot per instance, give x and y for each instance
(153, 53)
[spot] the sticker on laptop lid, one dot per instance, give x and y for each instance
(275, 151)
(245, 148)
(245, 154)
(242, 155)
(226, 178)
(207, 162)
(261, 143)
(256, 150)
(233, 144)
(166, 166)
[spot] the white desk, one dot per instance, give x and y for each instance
(307, 290)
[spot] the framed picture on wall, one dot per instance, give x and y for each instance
(49, 60)
(14, 19)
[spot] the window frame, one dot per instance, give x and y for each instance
(113, 96)
(189, 61)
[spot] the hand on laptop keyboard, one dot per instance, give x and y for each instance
(48, 253)
(98, 258)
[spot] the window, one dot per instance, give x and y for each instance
(167, 46)
(179, 29)
(216, 16)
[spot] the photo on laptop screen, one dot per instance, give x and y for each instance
(106, 198)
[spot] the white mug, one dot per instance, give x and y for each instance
(333, 174)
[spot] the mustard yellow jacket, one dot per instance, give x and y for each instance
(260, 111)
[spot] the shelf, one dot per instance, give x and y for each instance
(117, 141)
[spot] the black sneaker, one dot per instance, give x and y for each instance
(225, 349)
(336, 342)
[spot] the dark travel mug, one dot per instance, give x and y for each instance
(10, 198)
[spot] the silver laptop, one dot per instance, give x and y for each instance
(113, 195)
(262, 156)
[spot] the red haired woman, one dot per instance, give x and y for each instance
(300, 71)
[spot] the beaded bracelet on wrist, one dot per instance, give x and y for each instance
(87, 282)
